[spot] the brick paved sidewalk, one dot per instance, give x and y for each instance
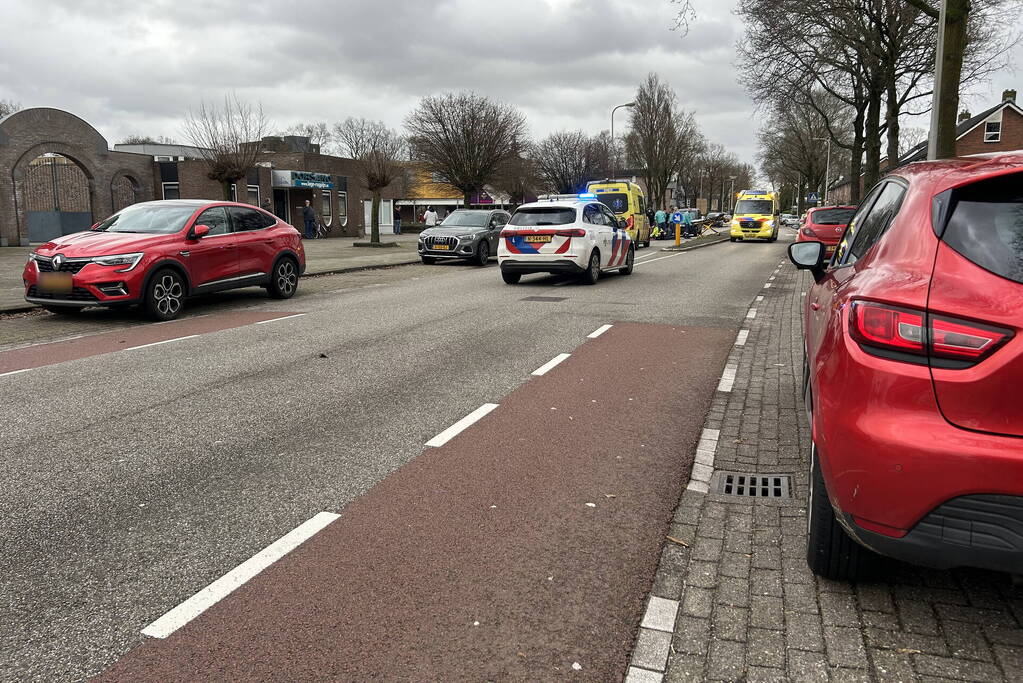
(735, 600)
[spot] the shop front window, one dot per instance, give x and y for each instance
(325, 207)
(342, 208)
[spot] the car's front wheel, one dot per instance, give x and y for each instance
(165, 295)
(482, 254)
(830, 552)
(592, 273)
(428, 260)
(284, 279)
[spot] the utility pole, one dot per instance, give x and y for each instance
(614, 156)
(939, 58)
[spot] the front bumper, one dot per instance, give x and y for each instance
(981, 531)
(93, 285)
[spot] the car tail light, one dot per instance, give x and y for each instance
(887, 327)
(574, 232)
(963, 340)
(509, 232)
(921, 334)
(807, 232)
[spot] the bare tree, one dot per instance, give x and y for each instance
(663, 137)
(466, 138)
(230, 138)
(518, 178)
(8, 107)
(137, 139)
(685, 15)
(319, 133)
(564, 161)
(377, 151)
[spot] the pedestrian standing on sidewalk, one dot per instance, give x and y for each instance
(661, 220)
(309, 216)
(397, 220)
(430, 217)
(687, 224)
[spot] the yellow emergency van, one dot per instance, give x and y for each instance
(756, 216)
(627, 202)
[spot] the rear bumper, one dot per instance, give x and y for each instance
(559, 266)
(982, 531)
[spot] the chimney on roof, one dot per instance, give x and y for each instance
(1009, 96)
(964, 116)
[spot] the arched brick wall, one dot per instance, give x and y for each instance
(27, 134)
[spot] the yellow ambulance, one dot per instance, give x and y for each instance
(756, 216)
(627, 202)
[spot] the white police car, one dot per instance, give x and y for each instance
(564, 234)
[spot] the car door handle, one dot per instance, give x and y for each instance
(815, 306)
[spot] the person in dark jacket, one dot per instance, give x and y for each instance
(309, 216)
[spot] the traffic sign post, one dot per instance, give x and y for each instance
(813, 197)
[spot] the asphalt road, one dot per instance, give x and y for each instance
(130, 479)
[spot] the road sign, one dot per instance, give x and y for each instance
(813, 197)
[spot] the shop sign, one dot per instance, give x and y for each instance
(320, 181)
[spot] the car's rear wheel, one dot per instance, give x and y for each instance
(283, 280)
(428, 261)
(592, 273)
(830, 552)
(63, 310)
(510, 278)
(482, 254)
(630, 262)
(165, 295)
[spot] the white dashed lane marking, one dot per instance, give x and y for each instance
(460, 426)
(599, 331)
(551, 364)
(165, 341)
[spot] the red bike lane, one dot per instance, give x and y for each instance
(523, 548)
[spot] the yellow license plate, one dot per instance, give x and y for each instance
(442, 247)
(55, 283)
(542, 239)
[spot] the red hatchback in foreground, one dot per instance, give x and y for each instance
(825, 224)
(914, 363)
(156, 254)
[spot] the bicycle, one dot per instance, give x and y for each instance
(322, 230)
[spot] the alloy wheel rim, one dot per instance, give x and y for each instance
(167, 294)
(484, 253)
(286, 277)
(594, 266)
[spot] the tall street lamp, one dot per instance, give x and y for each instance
(731, 197)
(614, 158)
(827, 171)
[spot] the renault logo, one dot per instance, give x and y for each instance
(58, 261)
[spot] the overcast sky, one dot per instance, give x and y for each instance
(136, 67)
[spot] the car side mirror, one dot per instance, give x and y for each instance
(808, 256)
(199, 231)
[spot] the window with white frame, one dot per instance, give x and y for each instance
(253, 195)
(342, 208)
(171, 191)
(993, 131)
(325, 207)
(234, 192)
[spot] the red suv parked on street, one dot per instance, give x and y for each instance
(825, 224)
(156, 254)
(914, 363)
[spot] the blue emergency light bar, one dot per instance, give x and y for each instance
(587, 195)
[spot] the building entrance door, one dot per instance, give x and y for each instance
(281, 205)
(57, 198)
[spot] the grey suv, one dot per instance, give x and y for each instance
(467, 234)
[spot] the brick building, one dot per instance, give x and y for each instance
(997, 129)
(58, 175)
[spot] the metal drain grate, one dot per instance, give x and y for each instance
(546, 298)
(753, 485)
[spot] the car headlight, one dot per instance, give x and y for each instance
(769, 223)
(129, 260)
(466, 238)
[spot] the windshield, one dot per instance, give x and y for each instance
(616, 201)
(554, 215)
(468, 219)
(833, 216)
(756, 207)
(149, 218)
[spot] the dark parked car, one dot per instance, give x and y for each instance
(466, 234)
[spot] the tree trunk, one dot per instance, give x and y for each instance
(856, 160)
(872, 138)
(892, 119)
(467, 198)
(225, 187)
(374, 218)
(957, 15)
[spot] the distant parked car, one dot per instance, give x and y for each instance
(467, 234)
(914, 354)
(826, 224)
(157, 254)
